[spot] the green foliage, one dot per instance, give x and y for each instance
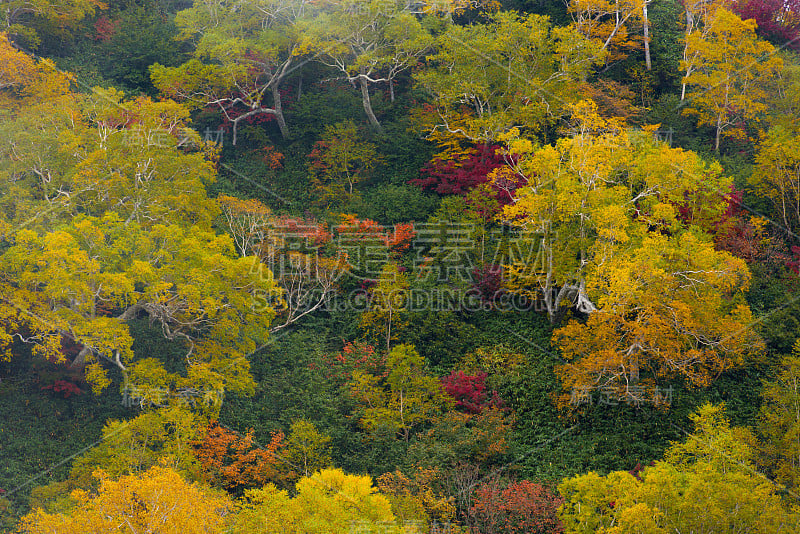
(403, 400)
(391, 204)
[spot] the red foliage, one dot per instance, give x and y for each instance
(794, 263)
(522, 507)
(316, 156)
(64, 386)
(354, 356)
(635, 472)
(487, 282)
(469, 391)
(736, 233)
(105, 29)
(778, 20)
(459, 177)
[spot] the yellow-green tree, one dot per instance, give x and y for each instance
(307, 448)
(779, 422)
(515, 70)
(340, 160)
(729, 73)
(327, 501)
(404, 399)
(16, 15)
(368, 42)
(158, 500)
(243, 53)
(776, 176)
(388, 300)
(705, 484)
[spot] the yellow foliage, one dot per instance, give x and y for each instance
(158, 500)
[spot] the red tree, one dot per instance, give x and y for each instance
(469, 391)
(521, 508)
(778, 20)
(458, 177)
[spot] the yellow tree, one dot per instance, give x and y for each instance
(728, 69)
(158, 500)
(607, 23)
(107, 220)
(779, 422)
(620, 219)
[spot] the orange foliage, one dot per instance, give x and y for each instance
(315, 232)
(232, 461)
(271, 157)
(451, 146)
(401, 239)
(366, 229)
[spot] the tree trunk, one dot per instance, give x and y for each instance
(689, 24)
(80, 360)
(276, 98)
(373, 120)
(719, 131)
(646, 24)
(299, 87)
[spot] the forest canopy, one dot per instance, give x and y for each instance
(378, 265)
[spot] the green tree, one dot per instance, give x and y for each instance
(243, 53)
